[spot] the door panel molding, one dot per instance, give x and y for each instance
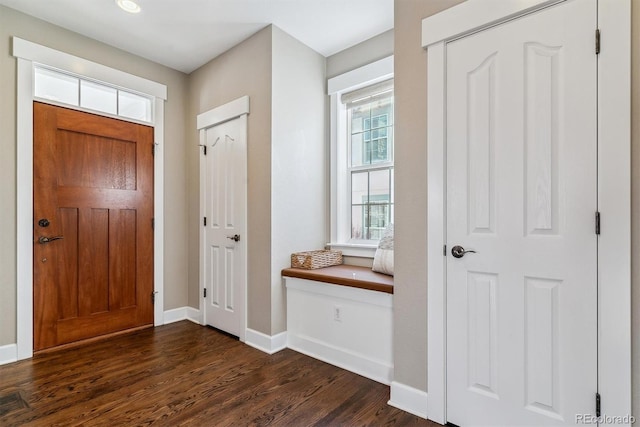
(28, 53)
(614, 244)
(99, 278)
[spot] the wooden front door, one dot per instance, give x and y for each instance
(93, 233)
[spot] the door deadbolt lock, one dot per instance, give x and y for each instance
(44, 222)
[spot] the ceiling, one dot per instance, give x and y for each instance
(185, 34)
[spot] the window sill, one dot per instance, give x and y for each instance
(354, 249)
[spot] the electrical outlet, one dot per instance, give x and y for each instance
(337, 313)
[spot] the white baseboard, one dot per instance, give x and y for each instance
(266, 343)
(8, 353)
(182, 313)
(175, 315)
(194, 315)
(342, 358)
(408, 399)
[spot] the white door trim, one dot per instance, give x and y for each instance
(614, 186)
(223, 113)
(238, 108)
(28, 54)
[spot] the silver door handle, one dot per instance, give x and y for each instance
(44, 239)
(459, 251)
(235, 238)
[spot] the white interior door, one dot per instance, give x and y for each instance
(225, 244)
(521, 193)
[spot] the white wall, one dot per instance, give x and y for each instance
(298, 160)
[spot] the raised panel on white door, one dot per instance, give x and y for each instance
(229, 279)
(215, 175)
(214, 274)
(543, 132)
(482, 366)
(542, 340)
(230, 178)
(481, 93)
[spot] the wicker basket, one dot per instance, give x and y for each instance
(316, 259)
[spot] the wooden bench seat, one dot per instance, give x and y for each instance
(343, 275)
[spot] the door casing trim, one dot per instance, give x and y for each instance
(614, 189)
(27, 54)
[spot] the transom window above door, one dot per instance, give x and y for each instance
(67, 89)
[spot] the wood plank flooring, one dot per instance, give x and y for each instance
(183, 374)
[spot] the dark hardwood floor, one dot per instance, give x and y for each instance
(185, 374)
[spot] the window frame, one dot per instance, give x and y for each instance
(340, 185)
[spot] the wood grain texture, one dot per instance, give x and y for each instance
(184, 374)
(93, 180)
(343, 275)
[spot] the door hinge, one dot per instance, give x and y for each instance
(153, 297)
(153, 149)
(204, 222)
(597, 41)
(597, 222)
(444, 250)
(153, 223)
(205, 149)
(205, 292)
(598, 412)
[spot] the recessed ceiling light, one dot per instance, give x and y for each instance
(129, 6)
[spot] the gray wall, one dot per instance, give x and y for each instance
(299, 178)
(285, 82)
(410, 290)
(13, 23)
(368, 51)
(243, 70)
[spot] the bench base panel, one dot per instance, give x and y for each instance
(358, 338)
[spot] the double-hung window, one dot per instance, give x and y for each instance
(362, 196)
(370, 159)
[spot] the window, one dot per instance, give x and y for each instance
(63, 88)
(370, 145)
(362, 157)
